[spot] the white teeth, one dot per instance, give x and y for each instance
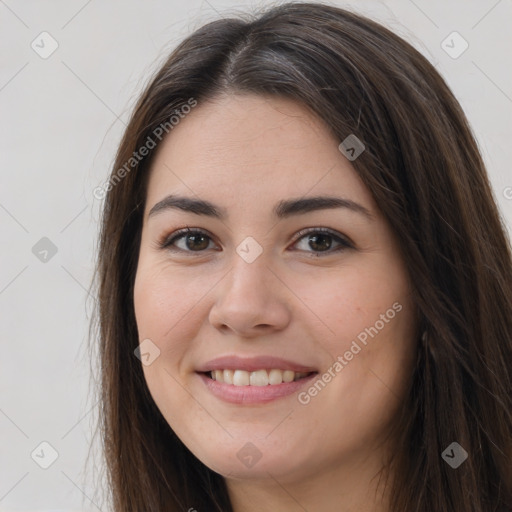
(228, 376)
(241, 378)
(257, 378)
(288, 376)
(275, 377)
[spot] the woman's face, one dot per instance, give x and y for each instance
(254, 300)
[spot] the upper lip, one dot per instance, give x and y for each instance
(251, 364)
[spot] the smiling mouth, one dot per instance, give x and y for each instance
(272, 377)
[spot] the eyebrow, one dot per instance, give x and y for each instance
(281, 210)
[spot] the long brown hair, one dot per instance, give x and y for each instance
(422, 166)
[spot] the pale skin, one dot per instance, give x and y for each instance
(296, 301)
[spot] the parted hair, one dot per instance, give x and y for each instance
(423, 168)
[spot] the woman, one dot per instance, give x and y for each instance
(305, 287)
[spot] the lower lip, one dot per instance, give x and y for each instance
(253, 394)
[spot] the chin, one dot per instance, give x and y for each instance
(247, 463)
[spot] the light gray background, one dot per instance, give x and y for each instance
(61, 119)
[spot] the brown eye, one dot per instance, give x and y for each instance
(316, 241)
(321, 240)
(194, 241)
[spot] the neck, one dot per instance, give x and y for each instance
(355, 486)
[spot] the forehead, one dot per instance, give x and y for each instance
(252, 148)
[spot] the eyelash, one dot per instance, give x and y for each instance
(167, 242)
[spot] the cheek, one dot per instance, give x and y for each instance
(368, 317)
(165, 302)
(345, 301)
(164, 305)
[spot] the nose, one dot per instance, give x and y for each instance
(251, 300)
